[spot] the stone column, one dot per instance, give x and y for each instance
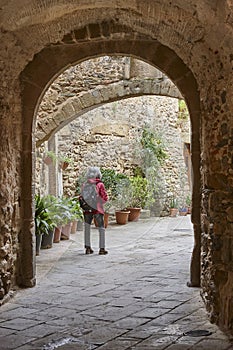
(53, 169)
(217, 200)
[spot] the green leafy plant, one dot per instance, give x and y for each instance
(140, 193)
(152, 142)
(64, 158)
(76, 210)
(61, 159)
(54, 208)
(123, 189)
(44, 221)
(64, 161)
(173, 203)
(188, 200)
(150, 153)
(67, 211)
(59, 209)
(111, 180)
(63, 210)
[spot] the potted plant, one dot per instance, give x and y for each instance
(121, 201)
(182, 207)
(173, 207)
(77, 215)
(188, 203)
(64, 161)
(50, 157)
(67, 218)
(44, 224)
(56, 212)
(110, 179)
(113, 183)
(183, 211)
(138, 196)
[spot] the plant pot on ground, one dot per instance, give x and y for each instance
(121, 200)
(74, 226)
(57, 234)
(47, 240)
(140, 195)
(76, 213)
(173, 212)
(188, 204)
(183, 211)
(122, 216)
(38, 243)
(66, 231)
(173, 207)
(43, 220)
(134, 213)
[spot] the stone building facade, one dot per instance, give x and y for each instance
(191, 42)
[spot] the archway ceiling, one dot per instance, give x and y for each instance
(187, 27)
(17, 14)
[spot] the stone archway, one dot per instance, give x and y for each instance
(80, 104)
(190, 41)
(53, 59)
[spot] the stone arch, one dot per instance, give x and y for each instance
(53, 59)
(80, 104)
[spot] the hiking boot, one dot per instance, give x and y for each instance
(102, 251)
(89, 250)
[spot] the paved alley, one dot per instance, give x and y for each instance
(133, 298)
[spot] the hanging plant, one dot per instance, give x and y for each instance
(64, 162)
(50, 157)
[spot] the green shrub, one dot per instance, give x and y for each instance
(43, 219)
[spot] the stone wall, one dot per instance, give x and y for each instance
(10, 194)
(109, 136)
(80, 78)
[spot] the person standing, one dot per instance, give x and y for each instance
(94, 194)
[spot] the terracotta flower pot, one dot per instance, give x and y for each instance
(74, 226)
(173, 212)
(64, 165)
(57, 235)
(122, 217)
(66, 231)
(134, 214)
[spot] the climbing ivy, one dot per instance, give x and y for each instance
(152, 142)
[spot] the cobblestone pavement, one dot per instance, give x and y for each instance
(133, 298)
